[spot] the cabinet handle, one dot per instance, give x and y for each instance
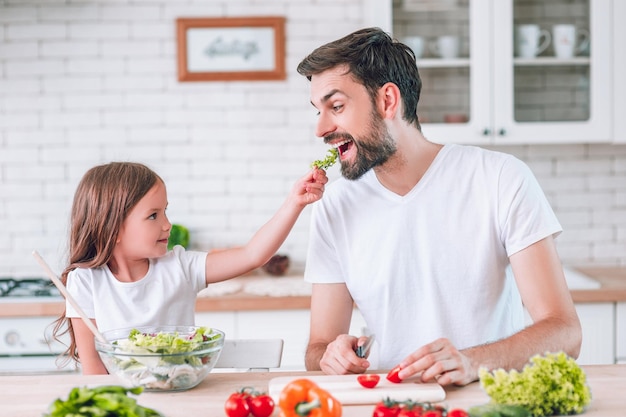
(486, 131)
(502, 132)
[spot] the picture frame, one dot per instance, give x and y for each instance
(231, 49)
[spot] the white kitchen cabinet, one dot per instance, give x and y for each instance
(506, 99)
(222, 320)
(619, 65)
(598, 324)
(290, 325)
(620, 332)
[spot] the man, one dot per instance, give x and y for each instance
(418, 235)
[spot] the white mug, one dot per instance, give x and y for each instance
(569, 41)
(416, 43)
(447, 46)
(530, 40)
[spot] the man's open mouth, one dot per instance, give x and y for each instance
(343, 146)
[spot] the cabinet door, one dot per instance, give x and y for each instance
(619, 68)
(547, 98)
(598, 324)
(505, 98)
(620, 332)
(223, 320)
(455, 101)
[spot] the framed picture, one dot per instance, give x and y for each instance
(229, 49)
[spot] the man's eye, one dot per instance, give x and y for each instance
(338, 107)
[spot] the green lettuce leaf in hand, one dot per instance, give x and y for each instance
(179, 235)
(551, 384)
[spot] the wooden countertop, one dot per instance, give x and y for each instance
(612, 285)
(32, 395)
(612, 289)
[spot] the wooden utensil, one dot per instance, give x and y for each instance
(69, 298)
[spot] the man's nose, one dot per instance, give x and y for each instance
(325, 126)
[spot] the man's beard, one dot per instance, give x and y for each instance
(373, 149)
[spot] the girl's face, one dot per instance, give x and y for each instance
(146, 229)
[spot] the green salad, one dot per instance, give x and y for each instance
(164, 360)
(551, 384)
(331, 157)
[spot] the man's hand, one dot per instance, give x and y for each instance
(340, 357)
(440, 361)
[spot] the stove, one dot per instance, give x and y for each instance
(11, 288)
(26, 343)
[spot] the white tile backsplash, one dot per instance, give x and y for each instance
(84, 84)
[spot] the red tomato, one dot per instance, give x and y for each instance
(457, 412)
(368, 380)
(410, 412)
(393, 375)
(261, 405)
(432, 413)
(385, 409)
(237, 405)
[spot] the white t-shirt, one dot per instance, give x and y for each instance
(165, 296)
(432, 263)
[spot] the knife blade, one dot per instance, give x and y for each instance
(361, 351)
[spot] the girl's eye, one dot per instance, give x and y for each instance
(152, 216)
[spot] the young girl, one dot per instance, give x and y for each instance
(120, 271)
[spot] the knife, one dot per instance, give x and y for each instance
(361, 351)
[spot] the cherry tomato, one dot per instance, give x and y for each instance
(432, 413)
(386, 408)
(368, 380)
(457, 412)
(237, 405)
(393, 375)
(410, 412)
(261, 405)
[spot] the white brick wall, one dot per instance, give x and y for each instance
(91, 82)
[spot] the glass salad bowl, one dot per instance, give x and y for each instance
(161, 358)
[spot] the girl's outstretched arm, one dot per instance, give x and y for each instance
(89, 359)
(229, 263)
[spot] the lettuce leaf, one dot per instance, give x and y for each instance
(551, 384)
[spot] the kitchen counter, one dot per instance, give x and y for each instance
(31, 395)
(233, 296)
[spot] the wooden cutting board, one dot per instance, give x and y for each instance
(348, 390)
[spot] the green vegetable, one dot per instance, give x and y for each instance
(552, 384)
(103, 401)
(331, 158)
(498, 410)
(179, 235)
(167, 344)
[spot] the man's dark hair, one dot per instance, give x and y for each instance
(373, 58)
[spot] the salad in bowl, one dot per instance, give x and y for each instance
(163, 358)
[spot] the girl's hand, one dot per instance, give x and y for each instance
(309, 188)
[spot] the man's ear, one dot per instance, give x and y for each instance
(389, 100)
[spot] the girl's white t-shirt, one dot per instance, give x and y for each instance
(432, 263)
(165, 296)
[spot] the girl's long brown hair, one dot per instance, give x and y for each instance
(103, 199)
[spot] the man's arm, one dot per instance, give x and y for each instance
(541, 282)
(330, 348)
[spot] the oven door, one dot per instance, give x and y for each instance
(39, 364)
(27, 347)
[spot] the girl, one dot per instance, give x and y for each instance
(120, 271)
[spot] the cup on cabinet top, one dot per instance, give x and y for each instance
(530, 40)
(569, 41)
(447, 46)
(416, 43)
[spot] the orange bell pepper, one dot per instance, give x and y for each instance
(304, 398)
